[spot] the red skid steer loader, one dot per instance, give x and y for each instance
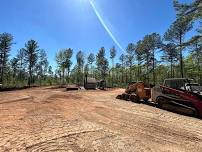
(179, 95)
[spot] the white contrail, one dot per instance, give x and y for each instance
(104, 25)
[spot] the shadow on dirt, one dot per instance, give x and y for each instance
(152, 104)
(4, 89)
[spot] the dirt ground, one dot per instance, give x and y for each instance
(44, 119)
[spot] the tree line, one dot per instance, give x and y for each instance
(29, 66)
(151, 59)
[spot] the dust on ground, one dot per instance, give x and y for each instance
(44, 119)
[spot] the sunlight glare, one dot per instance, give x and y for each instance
(82, 2)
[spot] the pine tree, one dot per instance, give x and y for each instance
(63, 59)
(139, 57)
(60, 59)
(31, 51)
(192, 10)
(175, 34)
(68, 55)
(130, 56)
(102, 63)
(122, 59)
(80, 66)
(50, 75)
(21, 61)
(147, 56)
(152, 43)
(91, 60)
(6, 41)
(112, 56)
(170, 55)
(15, 67)
(196, 52)
(42, 65)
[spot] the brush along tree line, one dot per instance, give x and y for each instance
(151, 59)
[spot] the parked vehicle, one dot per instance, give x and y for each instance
(178, 95)
(136, 92)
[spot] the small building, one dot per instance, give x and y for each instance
(90, 83)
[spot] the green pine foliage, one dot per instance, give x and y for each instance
(179, 57)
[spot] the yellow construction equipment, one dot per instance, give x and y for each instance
(136, 92)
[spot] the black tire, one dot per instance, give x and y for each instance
(146, 100)
(196, 113)
(127, 97)
(160, 101)
(134, 98)
(119, 97)
(123, 96)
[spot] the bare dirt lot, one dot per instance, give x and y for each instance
(44, 119)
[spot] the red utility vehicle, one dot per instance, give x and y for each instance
(178, 95)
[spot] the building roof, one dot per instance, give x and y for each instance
(91, 80)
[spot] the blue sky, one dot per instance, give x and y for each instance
(58, 24)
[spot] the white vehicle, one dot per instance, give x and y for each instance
(184, 84)
(195, 87)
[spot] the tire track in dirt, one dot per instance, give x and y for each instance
(19, 99)
(54, 120)
(144, 127)
(65, 142)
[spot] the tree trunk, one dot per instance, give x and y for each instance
(68, 75)
(171, 68)
(199, 71)
(112, 73)
(198, 63)
(20, 74)
(147, 76)
(117, 77)
(138, 70)
(1, 66)
(40, 80)
(154, 75)
(1, 78)
(126, 82)
(78, 77)
(92, 70)
(122, 73)
(174, 70)
(130, 73)
(63, 76)
(181, 58)
(30, 77)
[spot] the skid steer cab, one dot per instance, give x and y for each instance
(136, 92)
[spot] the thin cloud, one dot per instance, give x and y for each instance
(104, 25)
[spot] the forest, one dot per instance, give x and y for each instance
(151, 59)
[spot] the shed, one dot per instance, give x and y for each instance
(90, 83)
